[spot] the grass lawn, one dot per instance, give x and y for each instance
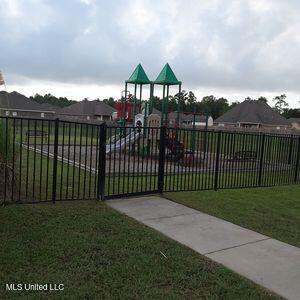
(272, 211)
(98, 253)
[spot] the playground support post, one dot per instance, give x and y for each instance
(178, 104)
(163, 107)
(140, 100)
(134, 102)
(167, 102)
(145, 118)
(193, 141)
(124, 104)
(151, 98)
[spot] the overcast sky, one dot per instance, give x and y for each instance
(87, 48)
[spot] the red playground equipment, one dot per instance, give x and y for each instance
(119, 107)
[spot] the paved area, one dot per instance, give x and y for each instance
(268, 262)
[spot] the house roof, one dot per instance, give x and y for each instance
(156, 111)
(167, 76)
(21, 102)
(173, 115)
(252, 111)
(186, 116)
(88, 108)
(48, 106)
(293, 120)
(201, 118)
(139, 76)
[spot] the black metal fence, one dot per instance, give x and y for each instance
(51, 160)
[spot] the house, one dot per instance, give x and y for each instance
(201, 121)
(252, 114)
(156, 111)
(87, 111)
(17, 105)
(187, 119)
(294, 123)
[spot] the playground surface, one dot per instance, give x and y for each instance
(125, 162)
(272, 264)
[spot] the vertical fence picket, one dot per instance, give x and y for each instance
(101, 163)
(261, 158)
(217, 163)
(54, 175)
(161, 164)
(297, 162)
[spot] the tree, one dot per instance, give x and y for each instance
(214, 107)
(110, 101)
(264, 99)
(48, 98)
(280, 103)
(233, 104)
(291, 113)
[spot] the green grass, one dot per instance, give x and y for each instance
(76, 183)
(98, 253)
(272, 211)
(72, 182)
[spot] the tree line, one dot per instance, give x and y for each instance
(186, 101)
(50, 99)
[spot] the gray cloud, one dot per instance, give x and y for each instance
(250, 44)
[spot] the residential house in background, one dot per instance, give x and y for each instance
(201, 121)
(187, 119)
(156, 111)
(21, 106)
(87, 111)
(252, 114)
(294, 123)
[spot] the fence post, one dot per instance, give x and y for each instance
(54, 178)
(161, 166)
(290, 149)
(217, 162)
(101, 162)
(297, 162)
(262, 149)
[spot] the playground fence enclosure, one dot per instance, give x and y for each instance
(53, 160)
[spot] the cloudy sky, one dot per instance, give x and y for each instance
(87, 48)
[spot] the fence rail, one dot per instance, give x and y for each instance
(52, 160)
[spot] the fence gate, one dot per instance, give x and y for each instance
(133, 161)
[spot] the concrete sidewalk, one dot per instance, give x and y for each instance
(268, 262)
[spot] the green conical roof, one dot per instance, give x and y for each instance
(167, 76)
(139, 76)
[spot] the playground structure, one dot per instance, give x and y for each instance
(131, 105)
(134, 112)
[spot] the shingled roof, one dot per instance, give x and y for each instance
(88, 108)
(293, 120)
(252, 111)
(20, 102)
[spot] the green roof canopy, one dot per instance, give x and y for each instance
(139, 76)
(167, 76)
